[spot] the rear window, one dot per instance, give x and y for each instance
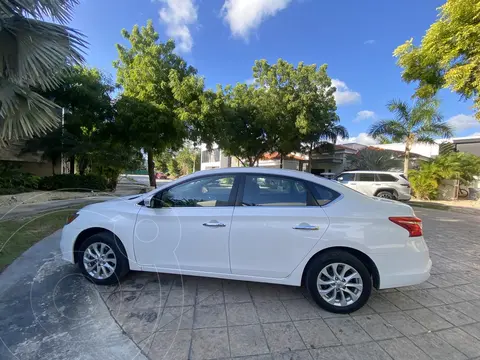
(386, 178)
(403, 176)
(323, 195)
(365, 177)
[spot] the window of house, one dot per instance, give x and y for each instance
(386, 178)
(263, 190)
(210, 156)
(365, 177)
(204, 192)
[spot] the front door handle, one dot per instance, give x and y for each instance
(214, 223)
(305, 226)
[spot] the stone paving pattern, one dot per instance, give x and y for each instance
(174, 317)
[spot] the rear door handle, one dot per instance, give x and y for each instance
(214, 223)
(305, 226)
(352, 183)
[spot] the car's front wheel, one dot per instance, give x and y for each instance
(102, 259)
(338, 281)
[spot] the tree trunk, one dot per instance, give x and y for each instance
(281, 161)
(406, 162)
(151, 169)
(309, 166)
(53, 168)
(72, 164)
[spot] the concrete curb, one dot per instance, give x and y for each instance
(437, 206)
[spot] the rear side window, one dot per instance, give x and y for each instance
(365, 177)
(268, 190)
(323, 195)
(386, 178)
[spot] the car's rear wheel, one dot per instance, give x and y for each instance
(339, 282)
(102, 259)
(386, 195)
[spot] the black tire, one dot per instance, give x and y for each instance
(121, 268)
(385, 195)
(331, 257)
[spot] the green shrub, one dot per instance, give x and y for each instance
(16, 181)
(424, 184)
(74, 182)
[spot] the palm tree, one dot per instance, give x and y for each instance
(418, 123)
(323, 140)
(374, 159)
(33, 54)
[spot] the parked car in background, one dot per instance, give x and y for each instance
(160, 176)
(383, 184)
(255, 224)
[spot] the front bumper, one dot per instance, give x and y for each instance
(67, 241)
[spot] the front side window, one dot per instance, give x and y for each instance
(365, 177)
(345, 177)
(264, 190)
(203, 192)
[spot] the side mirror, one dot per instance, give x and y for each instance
(148, 202)
(340, 178)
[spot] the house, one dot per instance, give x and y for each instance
(334, 162)
(216, 159)
(28, 162)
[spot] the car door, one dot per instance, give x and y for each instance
(365, 183)
(276, 222)
(188, 226)
(347, 179)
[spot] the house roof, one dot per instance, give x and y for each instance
(276, 156)
(13, 152)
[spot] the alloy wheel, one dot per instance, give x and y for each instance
(339, 284)
(99, 261)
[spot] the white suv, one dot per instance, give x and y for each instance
(384, 184)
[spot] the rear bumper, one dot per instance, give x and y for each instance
(404, 267)
(404, 196)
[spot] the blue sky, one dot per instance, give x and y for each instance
(223, 38)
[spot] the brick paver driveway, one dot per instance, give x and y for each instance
(200, 318)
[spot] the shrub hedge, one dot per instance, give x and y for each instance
(74, 182)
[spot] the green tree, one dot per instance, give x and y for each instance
(85, 96)
(374, 159)
(448, 56)
(33, 55)
(147, 107)
(298, 105)
(187, 160)
(417, 123)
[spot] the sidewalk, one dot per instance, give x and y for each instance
(470, 207)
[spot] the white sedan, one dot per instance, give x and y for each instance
(255, 224)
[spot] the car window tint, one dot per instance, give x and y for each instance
(386, 178)
(262, 190)
(365, 177)
(323, 195)
(346, 177)
(203, 192)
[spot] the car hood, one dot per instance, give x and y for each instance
(114, 202)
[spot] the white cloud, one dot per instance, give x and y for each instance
(362, 138)
(364, 115)
(344, 95)
(369, 42)
(243, 16)
(474, 134)
(250, 81)
(462, 122)
(177, 16)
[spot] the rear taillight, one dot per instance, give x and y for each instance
(411, 223)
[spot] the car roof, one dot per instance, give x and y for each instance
(371, 171)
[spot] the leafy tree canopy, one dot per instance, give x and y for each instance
(147, 108)
(449, 55)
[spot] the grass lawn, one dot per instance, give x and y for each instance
(17, 235)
